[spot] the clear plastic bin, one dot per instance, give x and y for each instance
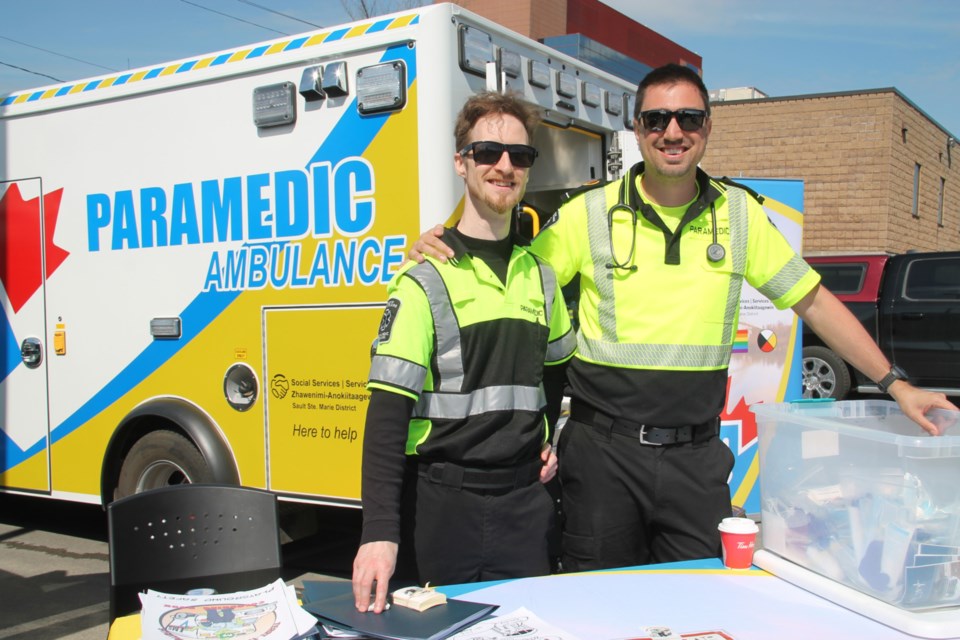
(857, 492)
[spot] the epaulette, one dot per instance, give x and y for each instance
(586, 186)
(756, 196)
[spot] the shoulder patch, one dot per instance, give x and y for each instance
(386, 322)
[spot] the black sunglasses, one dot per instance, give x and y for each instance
(487, 152)
(659, 119)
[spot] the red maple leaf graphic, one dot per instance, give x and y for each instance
(20, 238)
(748, 421)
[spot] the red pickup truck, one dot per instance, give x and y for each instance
(909, 303)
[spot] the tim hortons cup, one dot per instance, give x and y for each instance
(738, 536)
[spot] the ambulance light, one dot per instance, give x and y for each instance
(165, 328)
(476, 50)
(510, 62)
(381, 87)
(310, 87)
(539, 74)
(335, 79)
(566, 85)
(628, 101)
(612, 103)
(591, 95)
(274, 105)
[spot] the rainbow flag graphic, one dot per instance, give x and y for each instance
(741, 343)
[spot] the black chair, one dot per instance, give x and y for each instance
(191, 536)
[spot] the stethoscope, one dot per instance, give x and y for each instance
(715, 251)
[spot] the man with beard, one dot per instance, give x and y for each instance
(457, 446)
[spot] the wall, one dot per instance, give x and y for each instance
(857, 167)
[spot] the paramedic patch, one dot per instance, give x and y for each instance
(386, 322)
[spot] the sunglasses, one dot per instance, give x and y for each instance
(659, 119)
(486, 152)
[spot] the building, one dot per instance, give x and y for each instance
(879, 173)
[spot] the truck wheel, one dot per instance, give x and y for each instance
(160, 459)
(825, 374)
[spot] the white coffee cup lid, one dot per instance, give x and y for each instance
(738, 525)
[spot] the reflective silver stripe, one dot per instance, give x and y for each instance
(655, 356)
(449, 351)
(780, 284)
(453, 406)
(561, 348)
(739, 234)
(548, 279)
(598, 232)
(396, 371)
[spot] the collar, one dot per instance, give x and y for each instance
(460, 250)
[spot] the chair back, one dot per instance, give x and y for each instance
(191, 536)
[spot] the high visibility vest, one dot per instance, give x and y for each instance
(671, 308)
(471, 351)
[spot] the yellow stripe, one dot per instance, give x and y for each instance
(359, 30)
(402, 21)
(277, 48)
(49, 94)
(169, 71)
(239, 55)
(749, 481)
(77, 88)
(203, 64)
(317, 39)
(137, 77)
(108, 82)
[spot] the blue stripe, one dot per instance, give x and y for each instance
(379, 26)
(220, 59)
(186, 66)
(8, 100)
(256, 53)
(295, 44)
(153, 73)
(35, 96)
(92, 86)
(336, 35)
(124, 78)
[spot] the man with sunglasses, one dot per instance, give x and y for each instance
(457, 446)
(661, 254)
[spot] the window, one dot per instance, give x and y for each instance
(943, 187)
(933, 279)
(916, 190)
(845, 278)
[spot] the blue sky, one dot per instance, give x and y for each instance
(782, 47)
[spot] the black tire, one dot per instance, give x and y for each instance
(825, 374)
(160, 459)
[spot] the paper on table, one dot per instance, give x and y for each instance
(521, 623)
(269, 612)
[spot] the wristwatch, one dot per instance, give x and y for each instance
(896, 373)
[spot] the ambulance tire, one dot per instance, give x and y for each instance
(159, 459)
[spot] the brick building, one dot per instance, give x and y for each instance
(878, 173)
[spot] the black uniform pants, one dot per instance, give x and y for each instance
(627, 503)
(461, 535)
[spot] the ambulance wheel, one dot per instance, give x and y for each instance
(161, 459)
(825, 374)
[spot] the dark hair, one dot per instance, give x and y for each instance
(671, 73)
(487, 102)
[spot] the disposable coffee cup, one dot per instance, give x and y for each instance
(738, 537)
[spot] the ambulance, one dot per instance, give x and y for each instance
(195, 255)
